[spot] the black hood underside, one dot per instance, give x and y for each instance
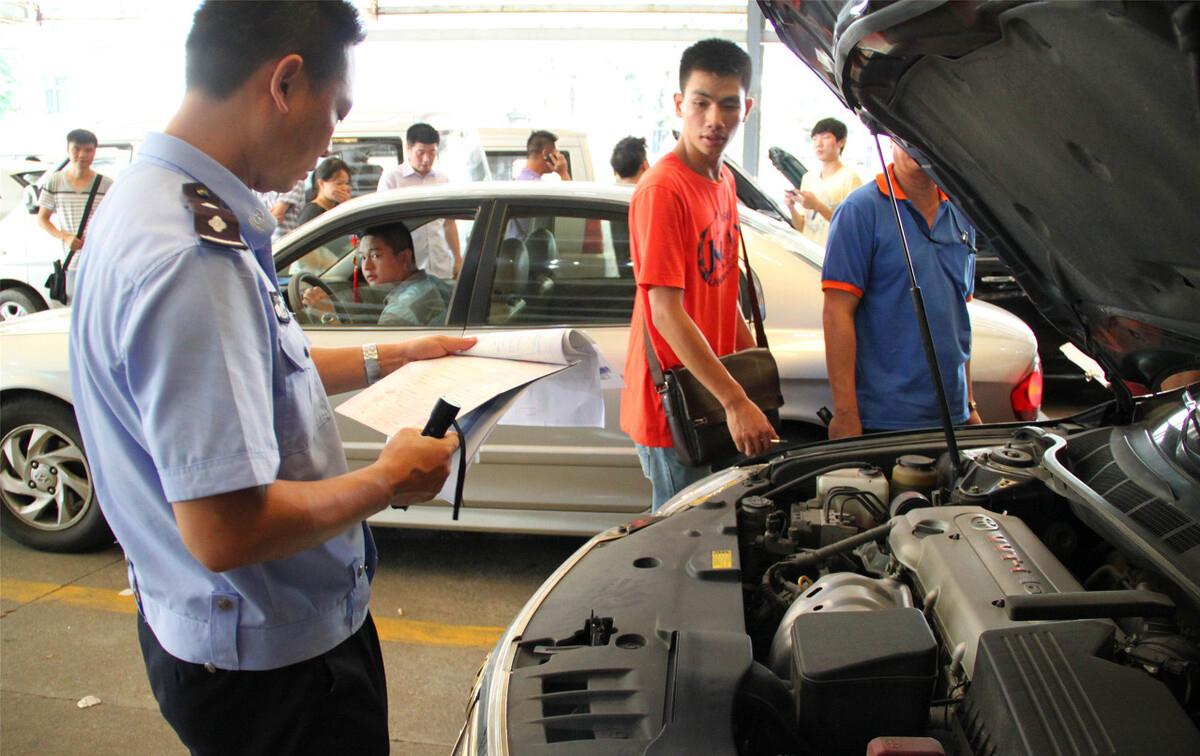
(1068, 131)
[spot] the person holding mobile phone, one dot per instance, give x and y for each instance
(821, 191)
(542, 157)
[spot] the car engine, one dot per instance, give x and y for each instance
(1036, 593)
(980, 607)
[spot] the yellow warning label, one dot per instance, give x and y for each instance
(722, 560)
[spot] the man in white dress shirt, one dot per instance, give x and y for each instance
(435, 243)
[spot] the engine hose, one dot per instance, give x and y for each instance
(766, 714)
(799, 562)
(797, 481)
(1102, 571)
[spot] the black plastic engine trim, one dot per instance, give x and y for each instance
(665, 680)
(1053, 688)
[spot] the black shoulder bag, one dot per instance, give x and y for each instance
(56, 283)
(699, 430)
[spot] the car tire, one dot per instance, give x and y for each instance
(46, 486)
(16, 301)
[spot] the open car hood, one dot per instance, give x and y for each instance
(1069, 132)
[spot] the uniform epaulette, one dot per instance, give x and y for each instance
(214, 222)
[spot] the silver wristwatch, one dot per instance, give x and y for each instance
(371, 362)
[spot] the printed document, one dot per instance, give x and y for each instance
(541, 377)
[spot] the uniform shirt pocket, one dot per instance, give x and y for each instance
(300, 406)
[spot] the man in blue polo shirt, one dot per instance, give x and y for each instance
(205, 412)
(873, 348)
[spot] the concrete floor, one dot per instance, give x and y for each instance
(440, 601)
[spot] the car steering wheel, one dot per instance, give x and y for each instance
(305, 315)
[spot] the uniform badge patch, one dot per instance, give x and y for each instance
(281, 311)
(215, 223)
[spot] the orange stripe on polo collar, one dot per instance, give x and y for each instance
(881, 183)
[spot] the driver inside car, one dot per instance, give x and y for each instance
(414, 298)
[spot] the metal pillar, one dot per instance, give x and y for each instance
(754, 44)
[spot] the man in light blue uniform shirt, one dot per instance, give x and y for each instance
(205, 412)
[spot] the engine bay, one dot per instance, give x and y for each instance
(969, 608)
(1036, 595)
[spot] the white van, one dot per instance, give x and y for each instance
(464, 154)
(371, 149)
(505, 148)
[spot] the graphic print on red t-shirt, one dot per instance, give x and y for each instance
(684, 234)
(711, 260)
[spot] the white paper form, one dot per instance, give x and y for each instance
(544, 377)
(405, 397)
(552, 345)
(571, 398)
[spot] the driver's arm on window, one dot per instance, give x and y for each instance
(342, 369)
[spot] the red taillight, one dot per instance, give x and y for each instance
(1026, 398)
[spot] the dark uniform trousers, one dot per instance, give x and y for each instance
(335, 703)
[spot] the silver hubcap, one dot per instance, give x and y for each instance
(10, 310)
(44, 478)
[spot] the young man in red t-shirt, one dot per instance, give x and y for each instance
(684, 231)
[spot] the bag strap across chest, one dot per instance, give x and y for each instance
(760, 333)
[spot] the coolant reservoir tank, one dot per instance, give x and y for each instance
(914, 473)
(869, 479)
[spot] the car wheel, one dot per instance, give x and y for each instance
(17, 302)
(49, 502)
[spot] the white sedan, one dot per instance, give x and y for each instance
(570, 267)
(18, 199)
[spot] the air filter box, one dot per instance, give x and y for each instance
(859, 675)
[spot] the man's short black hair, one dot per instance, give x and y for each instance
(715, 56)
(230, 40)
(830, 126)
(421, 133)
(82, 136)
(539, 142)
(395, 235)
(628, 156)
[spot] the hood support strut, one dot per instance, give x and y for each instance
(922, 319)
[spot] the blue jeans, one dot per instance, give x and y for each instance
(666, 475)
